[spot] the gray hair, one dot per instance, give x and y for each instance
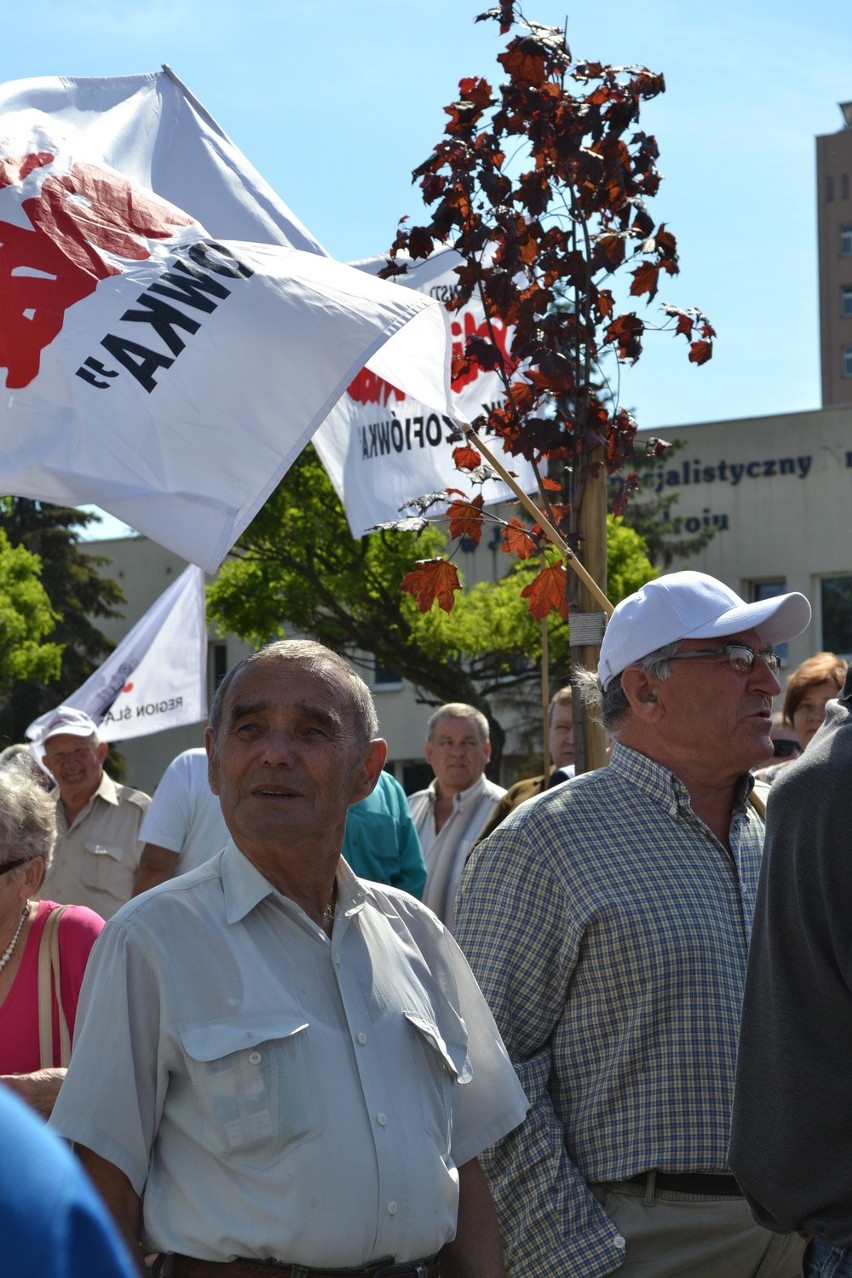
(27, 815)
(313, 657)
(609, 706)
(458, 710)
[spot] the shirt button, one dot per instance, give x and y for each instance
(392, 1209)
(382, 1120)
(362, 1038)
(620, 1242)
(337, 960)
(255, 1058)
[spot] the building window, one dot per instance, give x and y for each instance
(836, 609)
(846, 241)
(844, 186)
(218, 663)
(847, 361)
(759, 590)
(384, 676)
(846, 301)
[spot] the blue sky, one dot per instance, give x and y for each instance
(336, 102)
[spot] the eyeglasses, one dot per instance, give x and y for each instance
(740, 656)
(783, 747)
(12, 865)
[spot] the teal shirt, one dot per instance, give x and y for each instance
(381, 843)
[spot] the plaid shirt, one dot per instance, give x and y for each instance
(608, 929)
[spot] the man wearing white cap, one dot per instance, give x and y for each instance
(97, 849)
(607, 922)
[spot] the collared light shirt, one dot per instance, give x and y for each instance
(608, 929)
(96, 857)
(271, 1092)
(447, 849)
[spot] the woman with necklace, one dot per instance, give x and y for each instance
(33, 1055)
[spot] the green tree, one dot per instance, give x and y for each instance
(297, 566)
(79, 594)
(25, 618)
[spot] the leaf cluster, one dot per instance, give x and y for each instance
(78, 593)
(542, 185)
(25, 618)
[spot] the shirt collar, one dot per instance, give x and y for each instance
(661, 784)
(464, 798)
(244, 886)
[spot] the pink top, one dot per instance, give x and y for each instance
(79, 928)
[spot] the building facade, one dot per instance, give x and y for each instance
(778, 493)
(834, 238)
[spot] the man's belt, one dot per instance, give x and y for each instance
(705, 1183)
(177, 1266)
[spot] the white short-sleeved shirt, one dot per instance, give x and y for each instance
(185, 815)
(275, 1093)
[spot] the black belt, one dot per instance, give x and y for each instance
(177, 1266)
(704, 1183)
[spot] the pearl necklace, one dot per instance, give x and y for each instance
(10, 948)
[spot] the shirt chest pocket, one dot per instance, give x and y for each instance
(108, 867)
(251, 1080)
(440, 1065)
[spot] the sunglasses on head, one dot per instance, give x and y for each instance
(783, 748)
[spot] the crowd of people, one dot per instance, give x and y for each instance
(584, 1026)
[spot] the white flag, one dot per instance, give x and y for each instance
(381, 447)
(154, 366)
(157, 676)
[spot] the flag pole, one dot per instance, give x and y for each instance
(558, 541)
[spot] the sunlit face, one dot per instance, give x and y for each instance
(76, 762)
(457, 754)
(810, 712)
(560, 737)
(286, 763)
(715, 716)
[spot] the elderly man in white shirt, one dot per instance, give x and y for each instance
(450, 814)
(280, 1068)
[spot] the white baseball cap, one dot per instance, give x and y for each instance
(74, 723)
(692, 605)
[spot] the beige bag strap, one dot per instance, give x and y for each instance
(49, 979)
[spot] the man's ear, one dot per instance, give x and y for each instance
(374, 761)
(641, 690)
(103, 750)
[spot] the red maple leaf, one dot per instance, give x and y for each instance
(546, 592)
(700, 352)
(518, 539)
(466, 457)
(645, 280)
(432, 579)
(466, 518)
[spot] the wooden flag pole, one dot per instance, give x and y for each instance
(540, 518)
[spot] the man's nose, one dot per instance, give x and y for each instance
(279, 746)
(763, 677)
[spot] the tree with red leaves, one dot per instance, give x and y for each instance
(542, 185)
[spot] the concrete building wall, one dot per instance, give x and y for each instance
(778, 490)
(834, 238)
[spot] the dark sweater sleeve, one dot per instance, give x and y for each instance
(791, 1141)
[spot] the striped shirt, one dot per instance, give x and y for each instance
(608, 929)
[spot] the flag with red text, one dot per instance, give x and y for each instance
(381, 447)
(155, 364)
